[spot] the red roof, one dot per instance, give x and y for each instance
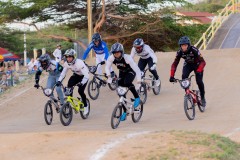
(197, 14)
(2, 50)
(203, 19)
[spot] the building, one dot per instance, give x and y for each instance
(195, 17)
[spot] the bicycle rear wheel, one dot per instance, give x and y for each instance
(66, 114)
(199, 103)
(137, 113)
(85, 116)
(143, 92)
(116, 115)
(114, 84)
(48, 113)
(189, 107)
(156, 89)
(93, 89)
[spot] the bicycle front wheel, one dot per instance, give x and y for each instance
(48, 113)
(66, 114)
(156, 89)
(116, 115)
(114, 84)
(137, 113)
(93, 90)
(143, 93)
(189, 107)
(85, 116)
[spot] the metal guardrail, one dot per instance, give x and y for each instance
(231, 7)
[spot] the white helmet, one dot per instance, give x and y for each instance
(72, 53)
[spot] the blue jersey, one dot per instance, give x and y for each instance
(100, 49)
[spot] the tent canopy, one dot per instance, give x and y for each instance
(8, 56)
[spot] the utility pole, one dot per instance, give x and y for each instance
(89, 14)
(25, 48)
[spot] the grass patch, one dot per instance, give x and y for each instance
(223, 148)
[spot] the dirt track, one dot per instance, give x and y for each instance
(24, 133)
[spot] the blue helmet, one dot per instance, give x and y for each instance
(184, 40)
(96, 37)
(138, 45)
(117, 47)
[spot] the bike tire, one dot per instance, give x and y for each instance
(199, 103)
(116, 115)
(48, 113)
(113, 86)
(93, 86)
(66, 113)
(85, 116)
(189, 107)
(137, 113)
(143, 93)
(156, 89)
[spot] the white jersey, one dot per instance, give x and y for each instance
(36, 63)
(58, 55)
(146, 53)
(78, 68)
(125, 63)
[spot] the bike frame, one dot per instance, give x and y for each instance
(149, 85)
(127, 103)
(194, 96)
(144, 79)
(75, 102)
(189, 91)
(53, 100)
(96, 76)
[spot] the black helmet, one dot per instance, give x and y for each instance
(138, 45)
(117, 47)
(96, 37)
(45, 61)
(184, 40)
(71, 53)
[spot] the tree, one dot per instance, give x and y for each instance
(122, 21)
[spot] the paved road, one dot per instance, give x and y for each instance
(228, 35)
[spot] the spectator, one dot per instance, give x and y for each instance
(58, 53)
(31, 67)
(9, 73)
(3, 82)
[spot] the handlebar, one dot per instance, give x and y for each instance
(93, 69)
(179, 80)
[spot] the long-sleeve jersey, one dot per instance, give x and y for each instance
(100, 49)
(78, 68)
(58, 55)
(53, 67)
(192, 56)
(126, 64)
(145, 54)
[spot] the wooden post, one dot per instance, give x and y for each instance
(34, 54)
(204, 41)
(89, 13)
(17, 65)
(43, 50)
